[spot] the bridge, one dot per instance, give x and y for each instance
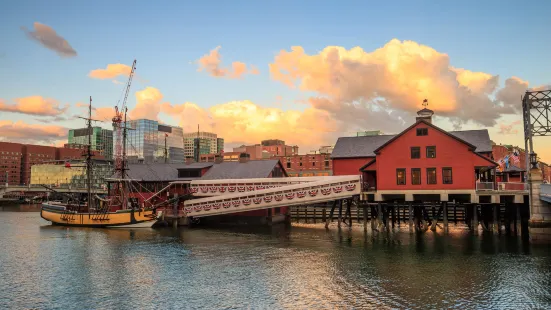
(40, 189)
(232, 196)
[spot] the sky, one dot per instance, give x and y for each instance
(306, 72)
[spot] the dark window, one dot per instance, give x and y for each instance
(300, 164)
(431, 151)
(326, 163)
(431, 175)
(313, 164)
(447, 176)
(422, 131)
(189, 173)
(288, 164)
(401, 176)
(415, 152)
(415, 176)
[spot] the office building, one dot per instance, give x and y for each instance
(102, 140)
(145, 142)
(208, 143)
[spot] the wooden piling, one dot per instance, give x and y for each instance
(340, 214)
(323, 214)
(410, 220)
(393, 215)
(495, 217)
(364, 209)
(475, 218)
(331, 214)
(349, 211)
(379, 215)
(445, 214)
(518, 227)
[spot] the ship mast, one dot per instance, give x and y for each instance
(89, 154)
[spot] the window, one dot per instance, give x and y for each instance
(300, 164)
(313, 164)
(415, 152)
(288, 164)
(431, 151)
(447, 176)
(415, 176)
(422, 131)
(431, 175)
(401, 176)
(326, 163)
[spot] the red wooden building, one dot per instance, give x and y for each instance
(421, 160)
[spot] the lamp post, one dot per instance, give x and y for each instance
(534, 160)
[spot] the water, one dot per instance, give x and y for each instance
(301, 267)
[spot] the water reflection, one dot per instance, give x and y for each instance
(276, 267)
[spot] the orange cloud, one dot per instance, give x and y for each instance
(148, 104)
(47, 36)
(509, 129)
(34, 105)
(396, 78)
(23, 132)
(246, 122)
(110, 72)
(212, 64)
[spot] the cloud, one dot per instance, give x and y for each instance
(396, 78)
(110, 72)
(246, 122)
(148, 104)
(30, 133)
(47, 36)
(509, 129)
(34, 105)
(212, 64)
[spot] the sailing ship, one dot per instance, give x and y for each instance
(117, 210)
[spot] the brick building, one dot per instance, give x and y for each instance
(10, 163)
(307, 165)
(267, 149)
(17, 159)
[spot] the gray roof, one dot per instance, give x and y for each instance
(513, 168)
(479, 138)
(363, 146)
(350, 147)
(160, 171)
(236, 170)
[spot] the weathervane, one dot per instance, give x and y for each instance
(425, 103)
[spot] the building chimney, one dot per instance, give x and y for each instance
(244, 157)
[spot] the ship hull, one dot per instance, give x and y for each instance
(120, 219)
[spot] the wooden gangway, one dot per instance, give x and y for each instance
(232, 196)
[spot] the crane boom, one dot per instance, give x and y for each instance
(120, 136)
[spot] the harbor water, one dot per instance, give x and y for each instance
(299, 267)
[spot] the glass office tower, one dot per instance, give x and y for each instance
(145, 142)
(102, 140)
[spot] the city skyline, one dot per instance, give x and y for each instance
(298, 78)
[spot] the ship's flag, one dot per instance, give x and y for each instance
(68, 165)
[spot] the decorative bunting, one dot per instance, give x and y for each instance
(350, 187)
(278, 197)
